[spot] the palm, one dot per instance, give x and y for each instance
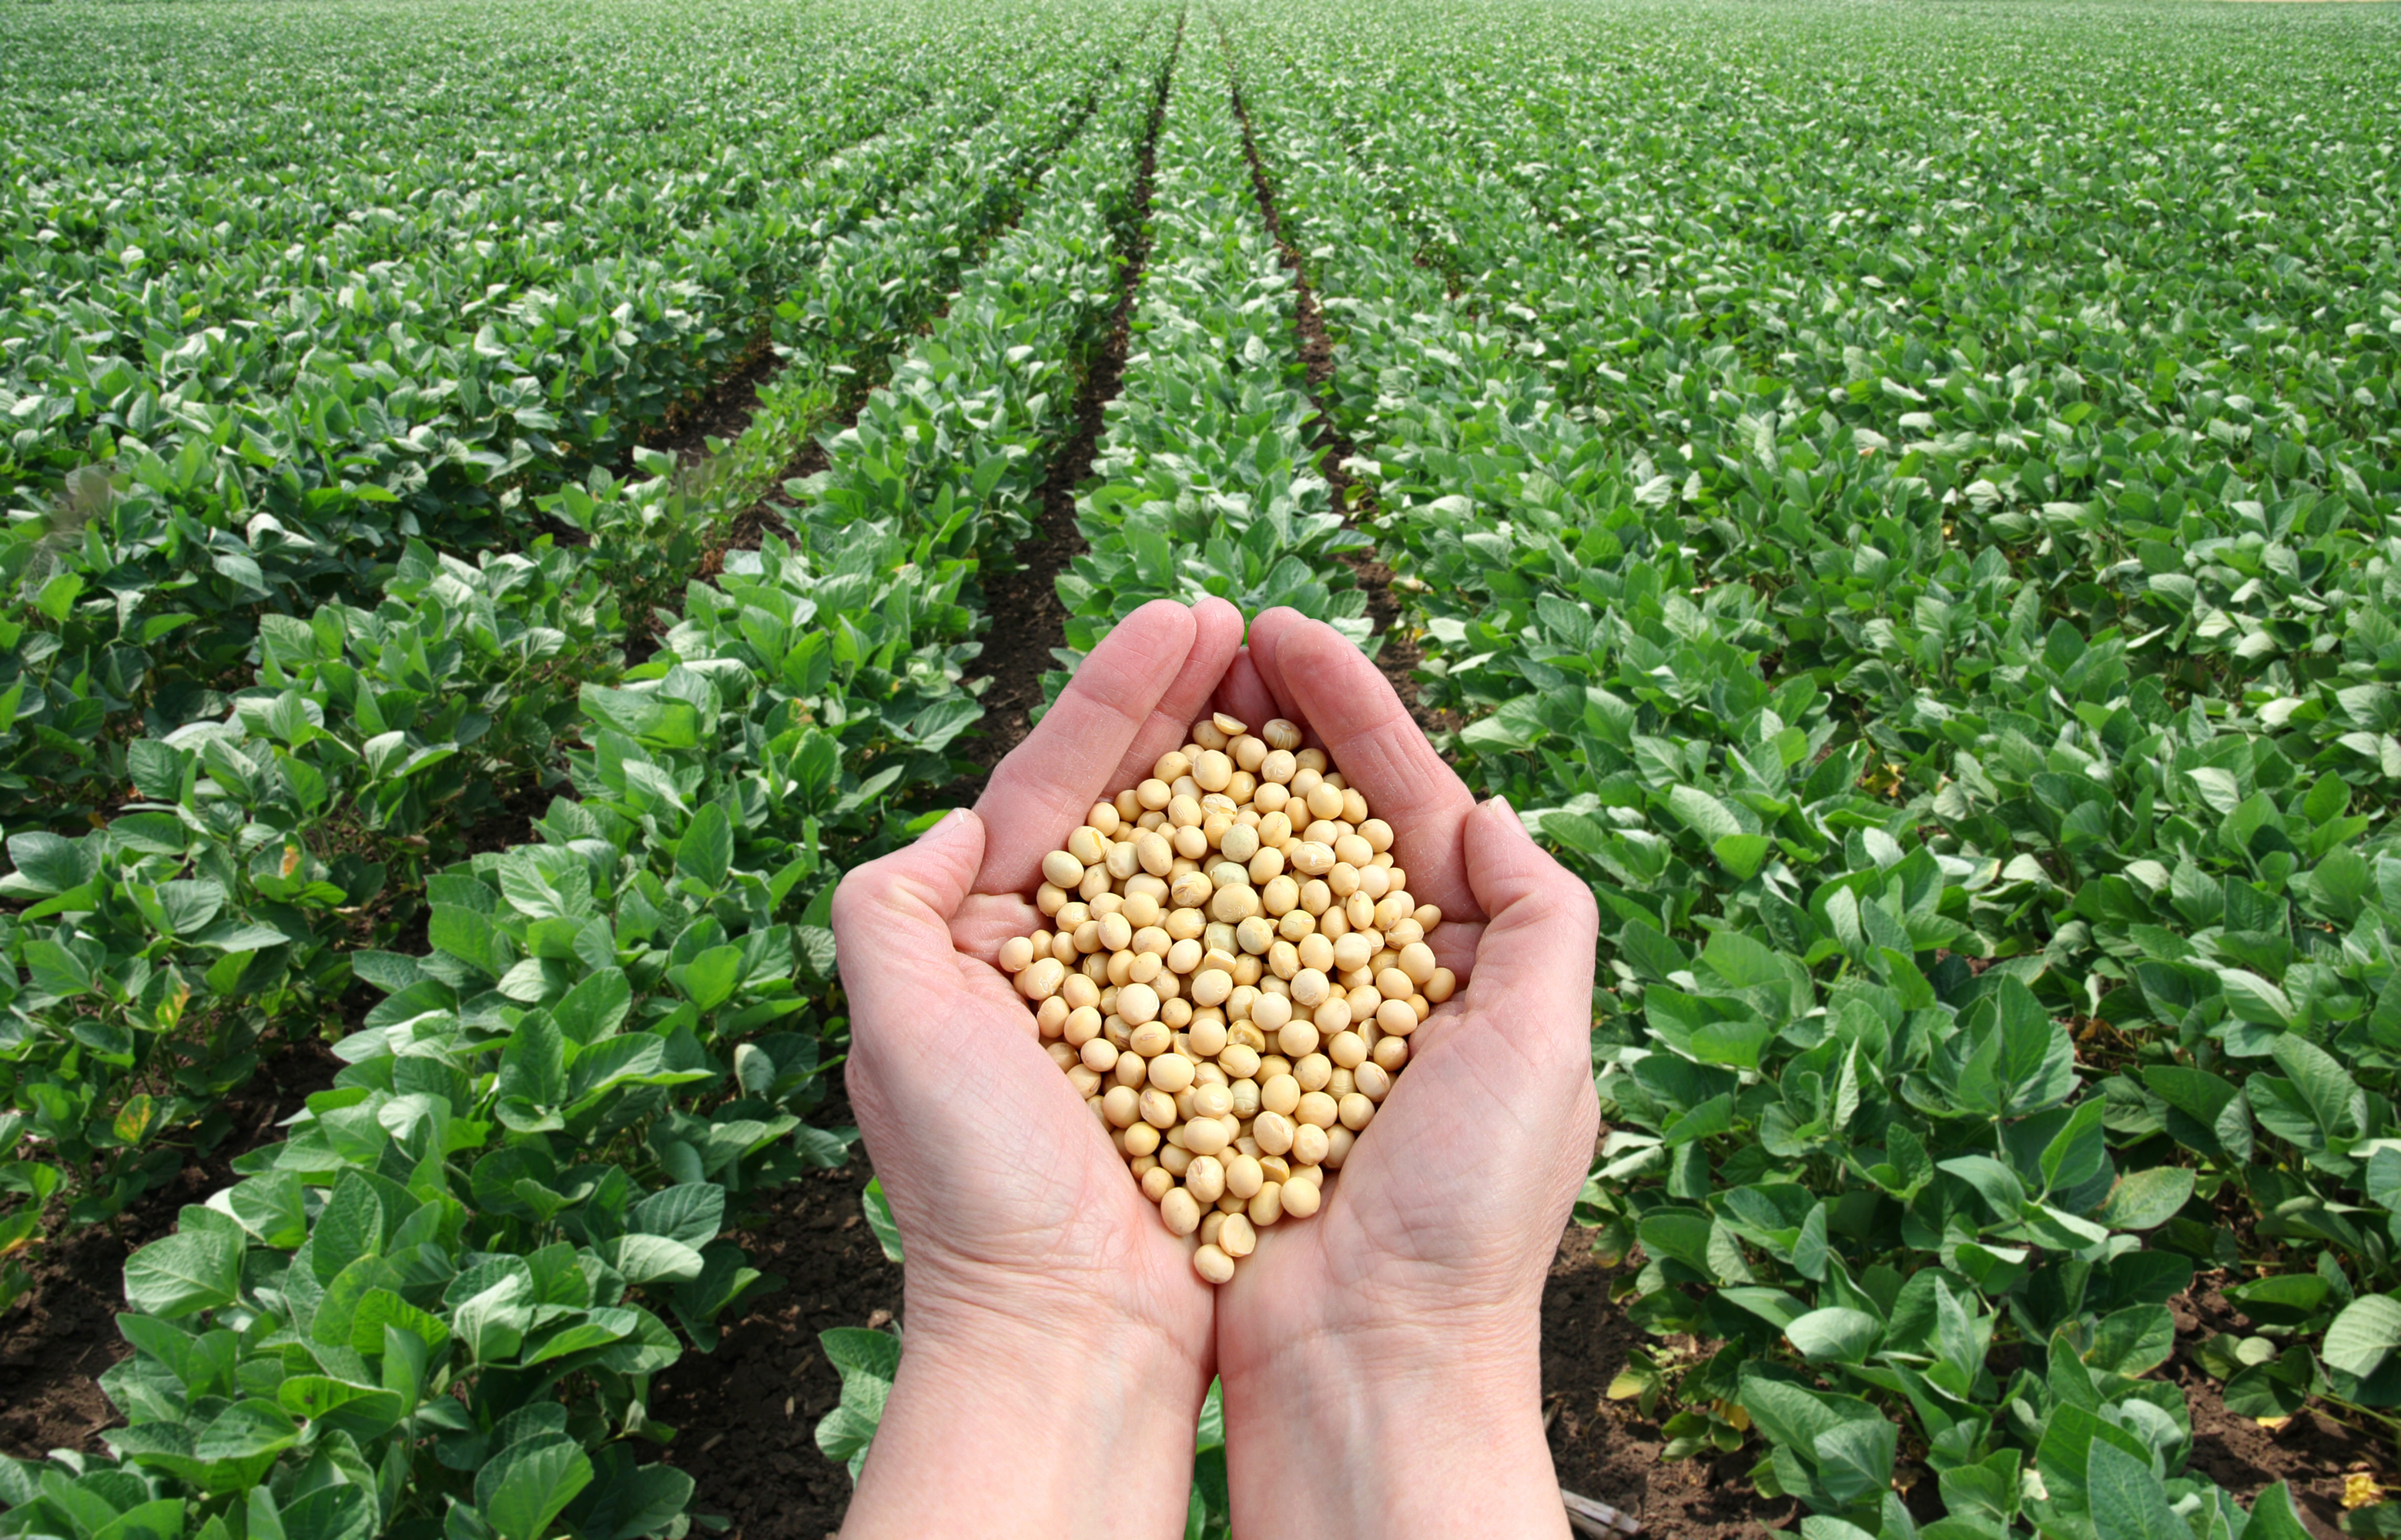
(1002, 1182)
(1043, 1197)
(1492, 1125)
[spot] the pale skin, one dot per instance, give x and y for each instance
(1378, 1359)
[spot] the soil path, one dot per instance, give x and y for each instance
(1026, 621)
(58, 1339)
(1397, 656)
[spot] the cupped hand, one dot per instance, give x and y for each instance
(1372, 1346)
(1037, 1272)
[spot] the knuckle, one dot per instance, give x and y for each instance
(862, 891)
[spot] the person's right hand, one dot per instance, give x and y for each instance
(1379, 1360)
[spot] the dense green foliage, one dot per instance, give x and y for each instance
(439, 1305)
(1909, 503)
(1941, 599)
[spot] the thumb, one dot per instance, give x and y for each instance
(892, 920)
(1535, 958)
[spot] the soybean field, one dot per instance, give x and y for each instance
(507, 503)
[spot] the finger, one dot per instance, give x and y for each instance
(1454, 946)
(1217, 637)
(1534, 962)
(1133, 690)
(892, 924)
(1326, 684)
(1242, 695)
(988, 919)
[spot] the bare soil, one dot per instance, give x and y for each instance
(748, 1413)
(1026, 618)
(59, 1339)
(2311, 1449)
(1397, 654)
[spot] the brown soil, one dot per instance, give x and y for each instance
(1027, 621)
(1606, 1450)
(720, 412)
(748, 1412)
(2311, 1449)
(1397, 655)
(56, 1341)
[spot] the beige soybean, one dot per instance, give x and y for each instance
(1229, 967)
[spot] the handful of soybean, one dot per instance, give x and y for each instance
(1232, 969)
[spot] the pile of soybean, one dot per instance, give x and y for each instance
(1230, 975)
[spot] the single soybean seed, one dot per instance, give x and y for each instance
(1213, 1263)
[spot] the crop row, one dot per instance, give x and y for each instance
(1206, 480)
(1210, 405)
(219, 427)
(439, 1304)
(270, 840)
(1888, 779)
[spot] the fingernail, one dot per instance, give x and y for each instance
(1503, 802)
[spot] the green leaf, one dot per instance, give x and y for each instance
(853, 1349)
(2368, 1329)
(271, 1207)
(651, 1259)
(2132, 1341)
(493, 1323)
(1835, 1333)
(2126, 1499)
(706, 852)
(1682, 1234)
(522, 1489)
(246, 1429)
(2274, 1518)
(1742, 854)
(879, 1219)
(1742, 960)
(2079, 1151)
(191, 1270)
(596, 1007)
(351, 1227)
(690, 1211)
(1855, 1460)
(2147, 1198)
(160, 1519)
(344, 1512)
(362, 1412)
(2333, 1097)
(1702, 814)
(710, 979)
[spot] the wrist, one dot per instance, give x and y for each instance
(1418, 1432)
(1000, 1428)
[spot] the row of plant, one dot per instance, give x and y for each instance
(439, 1305)
(1206, 480)
(264, 845)
(1881, 813)
(1213, 344)
(199, 446)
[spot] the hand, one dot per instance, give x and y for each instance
(1380, 1359)
(1059, 1343)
